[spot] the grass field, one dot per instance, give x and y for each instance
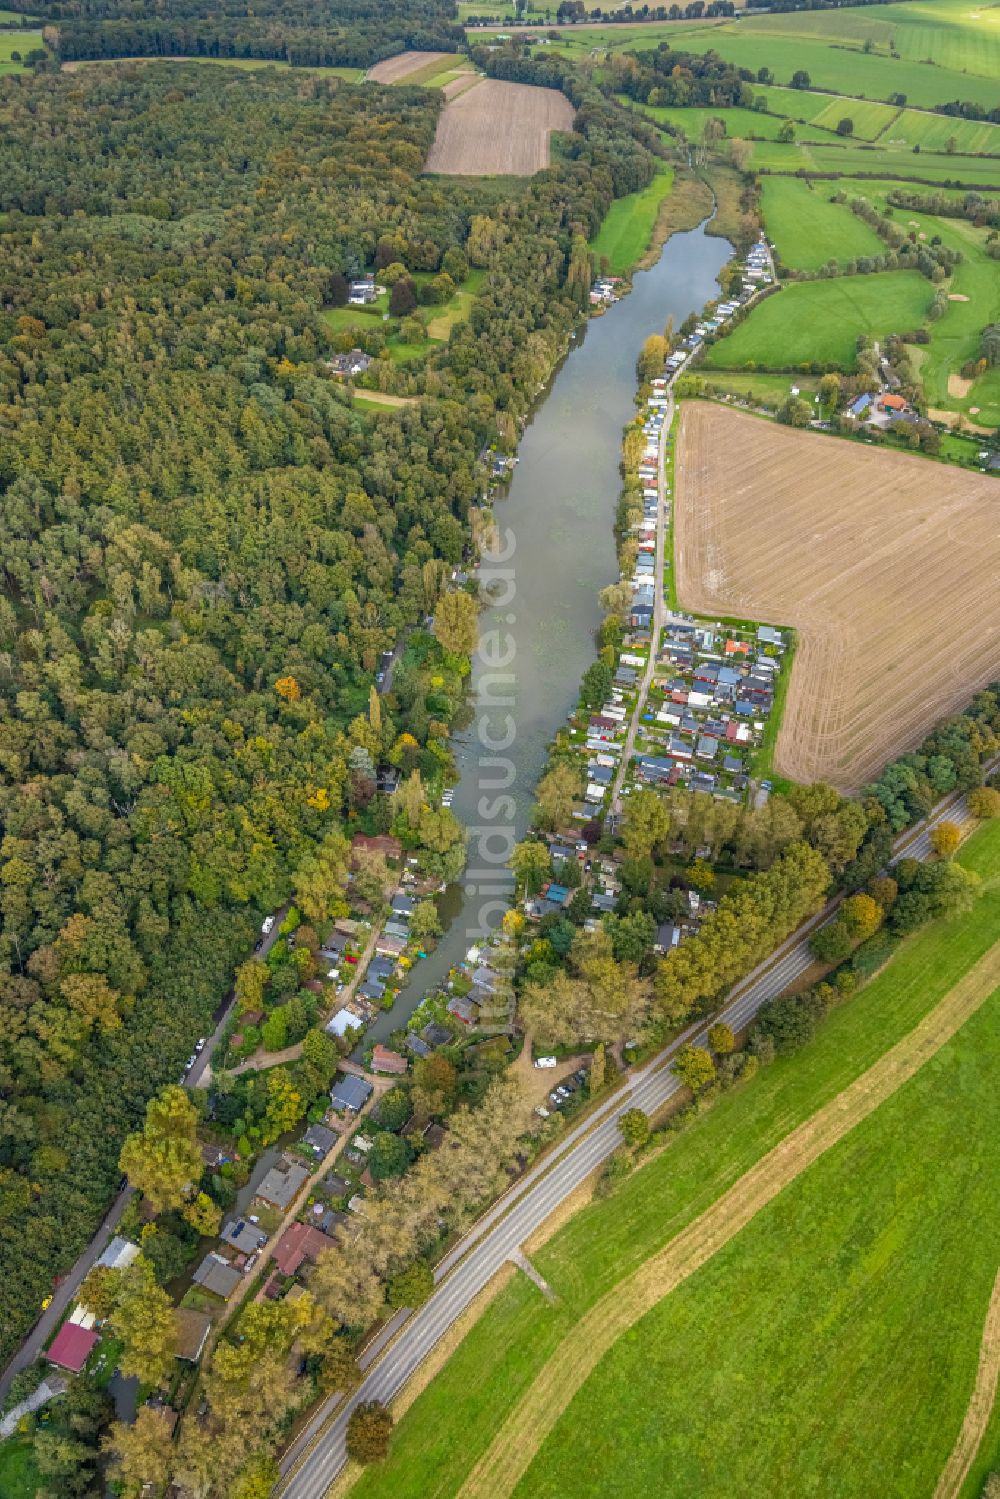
(838, 539)
(762, 389)
(440, 322)
(449, 1426)
(913, 127)
(747, 124)
(855, 1353)
(17, 41)
(820, 320)
(625, 234)
(18, 1475)
(807, 229)
(877, 161)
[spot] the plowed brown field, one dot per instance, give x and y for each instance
(395, 69)
(498, 129)
(887, 565)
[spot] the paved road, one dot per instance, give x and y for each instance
(469, 1267)
(65, 1294)
(658, 596)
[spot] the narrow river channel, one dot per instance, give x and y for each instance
(559, 517)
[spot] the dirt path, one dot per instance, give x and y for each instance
(382, 397)
(980, 1407)
(519, 1439)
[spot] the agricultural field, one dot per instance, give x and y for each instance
(819, 321)
(839, 541)
(930, 167)
(828, 46)
(806, 108)
(915, 127)
(807, 229)
(452, 1422)
(243, 64)
(498, 129)
(747, 124)
(407, 67)
(627, 230)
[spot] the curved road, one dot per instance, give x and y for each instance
(314, 1463)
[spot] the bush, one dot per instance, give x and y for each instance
(368, 1431)
(634, 1126)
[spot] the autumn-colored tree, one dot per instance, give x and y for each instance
(700, 875)
(285, 1105)
(721, 1038)
(321, 877)
(531, 864)
(984, 801)
(143, 1318)
(456, 622)
(557, 792)
(647, 823)
(288, 688)
(412, 1285)
(945, 839)
(695, 1068)
(203, 1215)
(368, 1431)
(634, 1127)
(862, 915)
(99, 1291)
(252, 978)
(163, 1159)
(596, 1071)
(141, 1452)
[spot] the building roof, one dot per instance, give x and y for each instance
(342, 1022)
(71, 1347)
(245, 1237)
(191, 1329)
(350, 1092)
(217, 1275)
(119, 1253)
(319, 1138)
(384, 1059)
(300, 1241)
(892, 403)
(281, 1183)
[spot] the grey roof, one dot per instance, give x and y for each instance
(319, 1138)
(419, 1048)
(280, 1185)
(244, 1236)
(350, 1092)
(217, 1275)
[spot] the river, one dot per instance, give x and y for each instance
(559, 519)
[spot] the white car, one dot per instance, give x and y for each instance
(268, 925)
(200, 1046)
(545, 1062)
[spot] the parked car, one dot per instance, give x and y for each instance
(545, 1061)
(200, 1045)
(267, 925)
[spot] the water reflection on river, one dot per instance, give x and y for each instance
(559, 515)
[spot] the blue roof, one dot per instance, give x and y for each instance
(861, 404)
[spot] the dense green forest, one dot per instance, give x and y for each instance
(332, 32)
(206, 549)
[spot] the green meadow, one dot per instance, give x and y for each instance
(627, 230)
(807, 229)
(453, 1421)
(819, 321)
(850, 160)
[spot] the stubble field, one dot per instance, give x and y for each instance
(404, 64)
(886, 565)
(498, 129)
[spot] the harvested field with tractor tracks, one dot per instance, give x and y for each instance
(498, 129)
(884, 563)
(397, 69)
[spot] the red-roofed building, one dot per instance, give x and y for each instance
(299, 1242)
(384, 1059)
(891, 403)
(72, 1347)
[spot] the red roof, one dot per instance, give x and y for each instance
(299, 1242)
(892, 403)
(386, 1060)
(71, 1347)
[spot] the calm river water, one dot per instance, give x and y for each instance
(558, 518)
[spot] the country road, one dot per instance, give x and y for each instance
(468, 1268)
(657, 626)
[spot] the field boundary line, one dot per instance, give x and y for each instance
(514, 1446)
(980, 1406)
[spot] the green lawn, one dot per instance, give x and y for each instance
(625, 235)
(848, 1316)
(867, 119)
(440, 322)
(18, 1474)
(876, 161)
(820, 320)
(747, 124)
(450, 1425)
(763, 389)
(931, 132)
(22, 42)
(807, 229)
